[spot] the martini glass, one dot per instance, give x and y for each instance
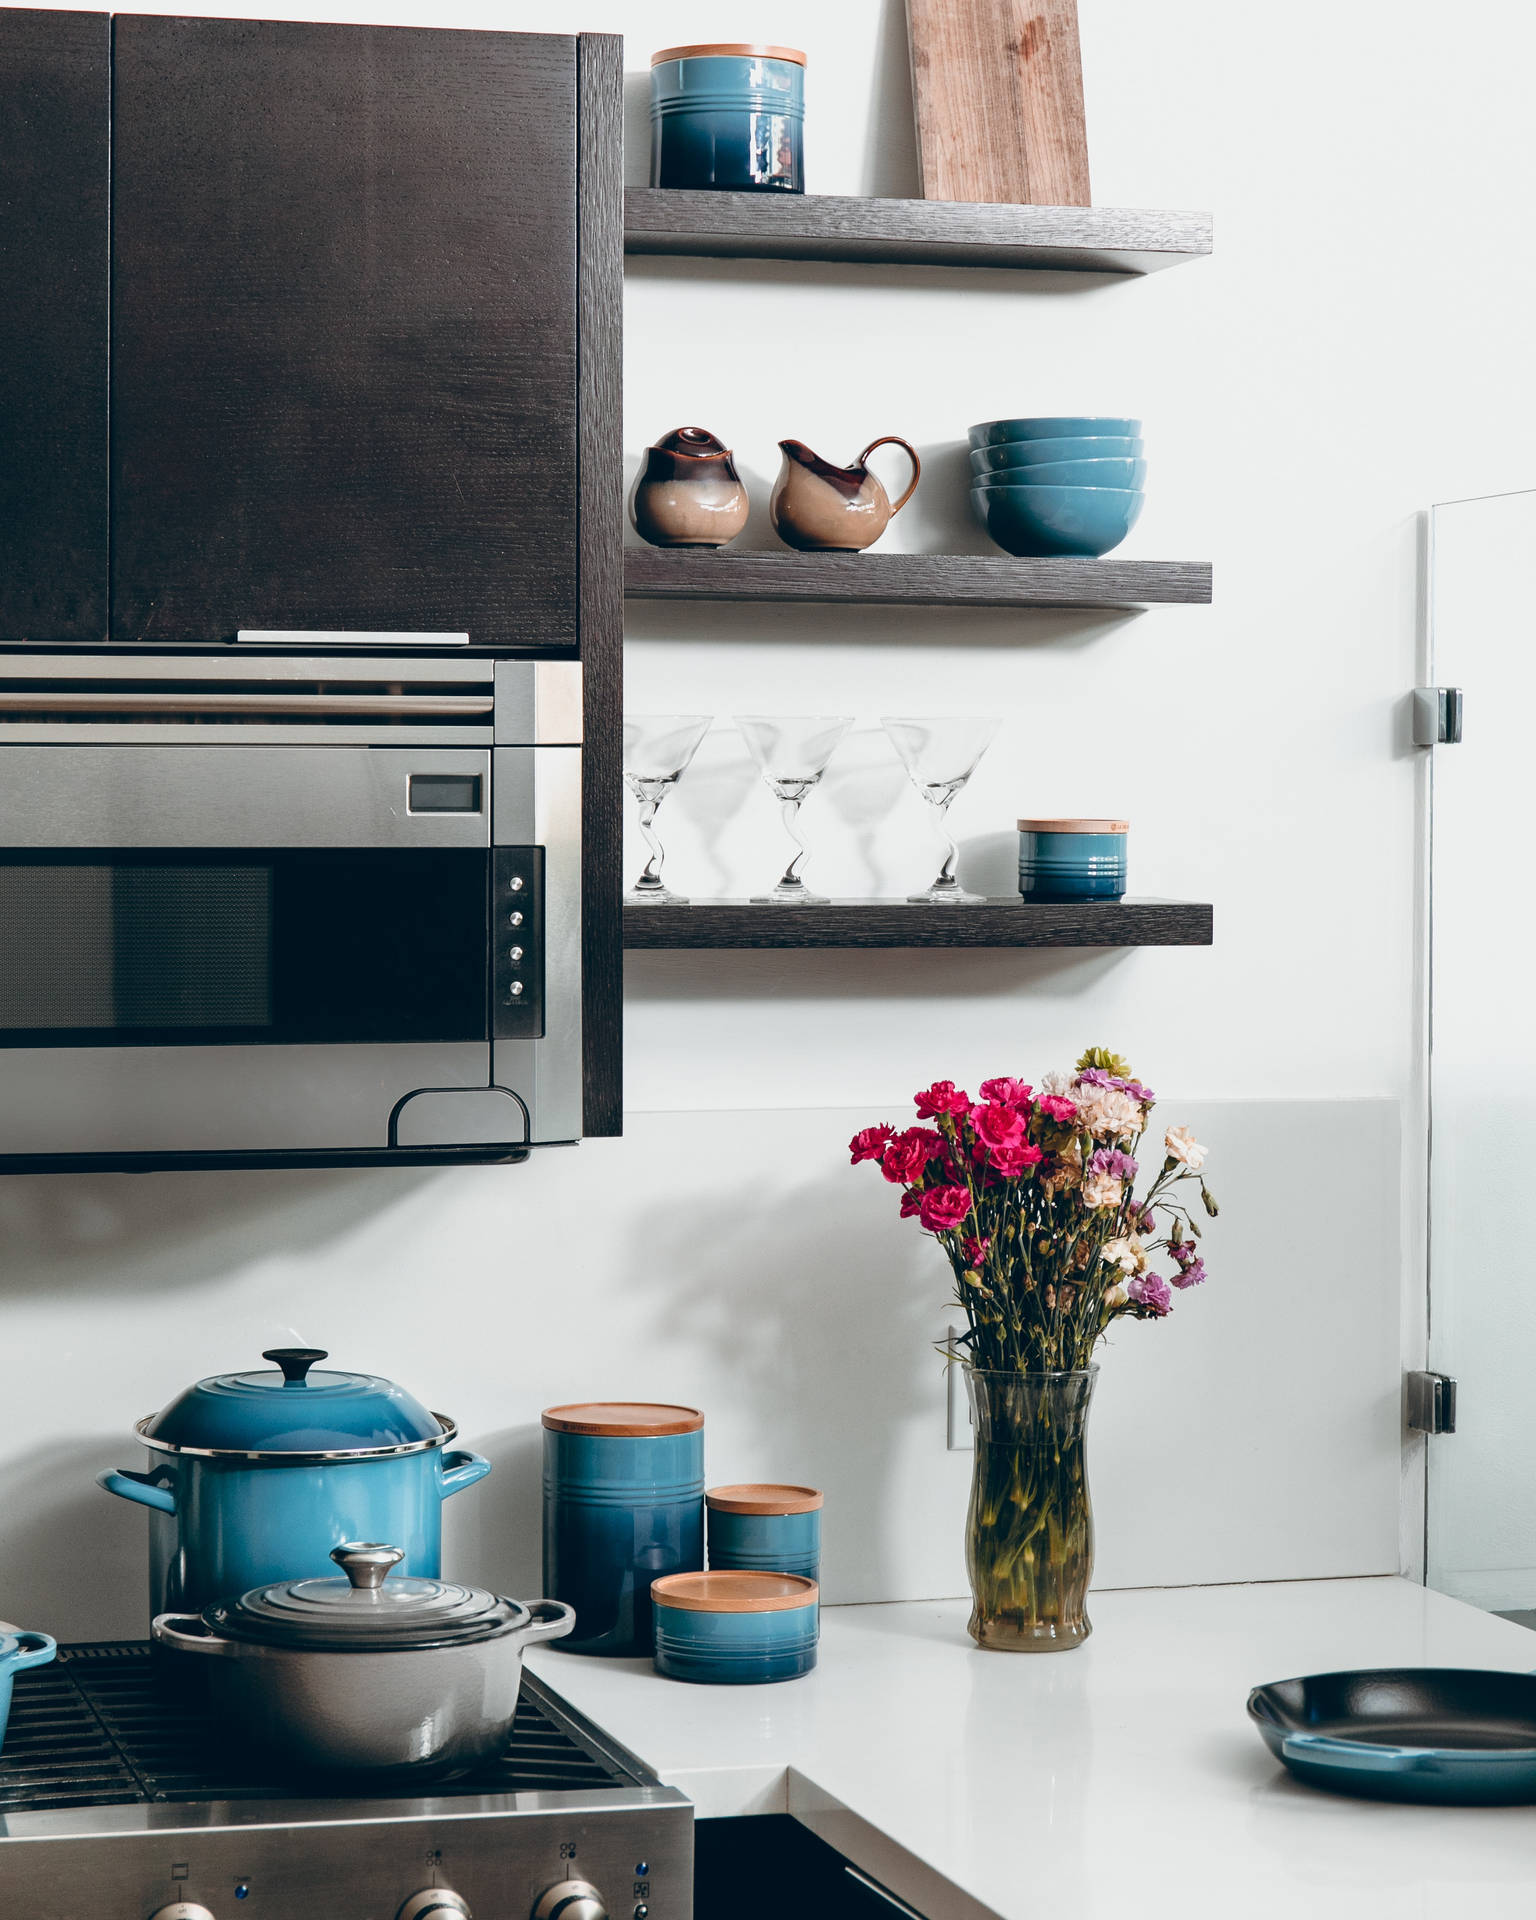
(792, 754)
(940, 756)
(657, 750)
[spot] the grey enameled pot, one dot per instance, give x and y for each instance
(402, 1678)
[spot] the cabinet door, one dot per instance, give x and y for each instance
(54, 107)
(344, 331)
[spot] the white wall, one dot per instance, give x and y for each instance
(1352, 350)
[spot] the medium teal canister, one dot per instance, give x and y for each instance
(728, 117)
(765, 1528)
(736, 1628)
(623, 1505)
(1072, 859)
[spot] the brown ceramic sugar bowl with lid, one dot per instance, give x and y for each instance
(688, 492)
(623, 1506)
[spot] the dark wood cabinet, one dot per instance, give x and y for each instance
(54, 97)
(344, 347)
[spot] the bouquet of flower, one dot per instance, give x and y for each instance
(1030, 1192)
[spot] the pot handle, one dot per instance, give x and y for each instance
(462, 1469)
(895, 440)
(34, 1650)
(552, 1620)
(169, 1630)
(137, 1487)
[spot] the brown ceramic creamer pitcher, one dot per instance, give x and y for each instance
(820, 508)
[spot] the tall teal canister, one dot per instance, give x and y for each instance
(760, 1528)
(623, 1506)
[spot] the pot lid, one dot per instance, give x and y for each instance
(365, 1609)
(292, 1408)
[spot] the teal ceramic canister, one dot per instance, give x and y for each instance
(18, 1651)
(728, 117)
(623, 1506)
(1072, 859)
(255, 1477)
(765, 1529)
(736, 1628)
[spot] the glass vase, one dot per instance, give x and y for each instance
(1029, 1534)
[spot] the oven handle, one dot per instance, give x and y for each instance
(425, 705)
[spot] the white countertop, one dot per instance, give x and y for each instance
(1119, 1780)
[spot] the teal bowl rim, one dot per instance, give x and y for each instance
(1139, 493)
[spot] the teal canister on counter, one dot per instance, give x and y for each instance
(728, 117)
(1072, 859)
(736, 1628)
(765, 1529)
(623, 1506)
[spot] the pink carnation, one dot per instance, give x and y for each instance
(1057, 1107)
(911, 1201)
(908, 1153)
(1007, 1092)
(997, 1126)
(942, 1209)
(1150, 1290)
(1016, 1159)
(869, 1143)
(942, 1097)
(976, 1251)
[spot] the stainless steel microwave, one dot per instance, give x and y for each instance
(288, 910)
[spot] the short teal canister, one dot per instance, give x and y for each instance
(729, 118)
(735, 1628)
(1072, 859)
(763, 1528)
(623, 1505)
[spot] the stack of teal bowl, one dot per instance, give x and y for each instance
(1057, 486)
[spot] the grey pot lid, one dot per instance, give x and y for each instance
(367, 1610)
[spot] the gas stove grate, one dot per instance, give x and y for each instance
(114, 1723)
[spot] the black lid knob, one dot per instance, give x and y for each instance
(294, 1361)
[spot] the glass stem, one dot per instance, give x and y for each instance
(650, 879)
(951, 851)
(789, 812)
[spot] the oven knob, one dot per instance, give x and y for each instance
(181, 1910)
(516, 919)
(441, 1903)
(514, 954)
(570, 1900)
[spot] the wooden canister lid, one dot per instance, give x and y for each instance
(733, 1592)
(1074, 826)
(633, 1418)
(747, 49)
(761, 1497)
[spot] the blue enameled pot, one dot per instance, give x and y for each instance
(735, 1628)
(728, 119)
(1072, 859)
(255, 1477)
(18, 1651)
(765, 1529)
(623, 1504)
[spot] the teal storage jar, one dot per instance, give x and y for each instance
(728, 118)
(764, 1529)
(736, 1628)
(623, 1505)
(1072, 859)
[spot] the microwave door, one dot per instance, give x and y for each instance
(238, 950)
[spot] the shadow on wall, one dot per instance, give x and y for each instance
(76, 1560)
(121, 1233)
(900, 974)
(499, 1531)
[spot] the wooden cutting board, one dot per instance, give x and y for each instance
(998, 89)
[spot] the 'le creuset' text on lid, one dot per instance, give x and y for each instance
(1074, 826)
(364, 1610)
(745, 50)
(763, 1497)
(730, 1591)
(629, 1418)
(293, 1409)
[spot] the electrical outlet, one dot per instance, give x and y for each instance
(957, 1404)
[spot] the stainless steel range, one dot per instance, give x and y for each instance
(121, 1799)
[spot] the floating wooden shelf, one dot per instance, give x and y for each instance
(931, 233)
(1005, 922)
(911, 579)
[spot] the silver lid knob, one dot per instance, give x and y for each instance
(366, 1562)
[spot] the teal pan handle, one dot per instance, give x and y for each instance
(1354, 1756)
(33, 1650)
(139, 1488)
(461, 1469)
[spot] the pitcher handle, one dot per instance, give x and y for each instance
(895, 440)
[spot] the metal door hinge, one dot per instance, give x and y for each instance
(1436, 716)
(1431, 1401)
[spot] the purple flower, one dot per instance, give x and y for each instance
(1097, 1077)
(1094, 1077)
(1189, 1275)
(1184, 1253)
(1110, 1160)
(1143, 1221)
(1150, 1290)
(1138, 1092)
